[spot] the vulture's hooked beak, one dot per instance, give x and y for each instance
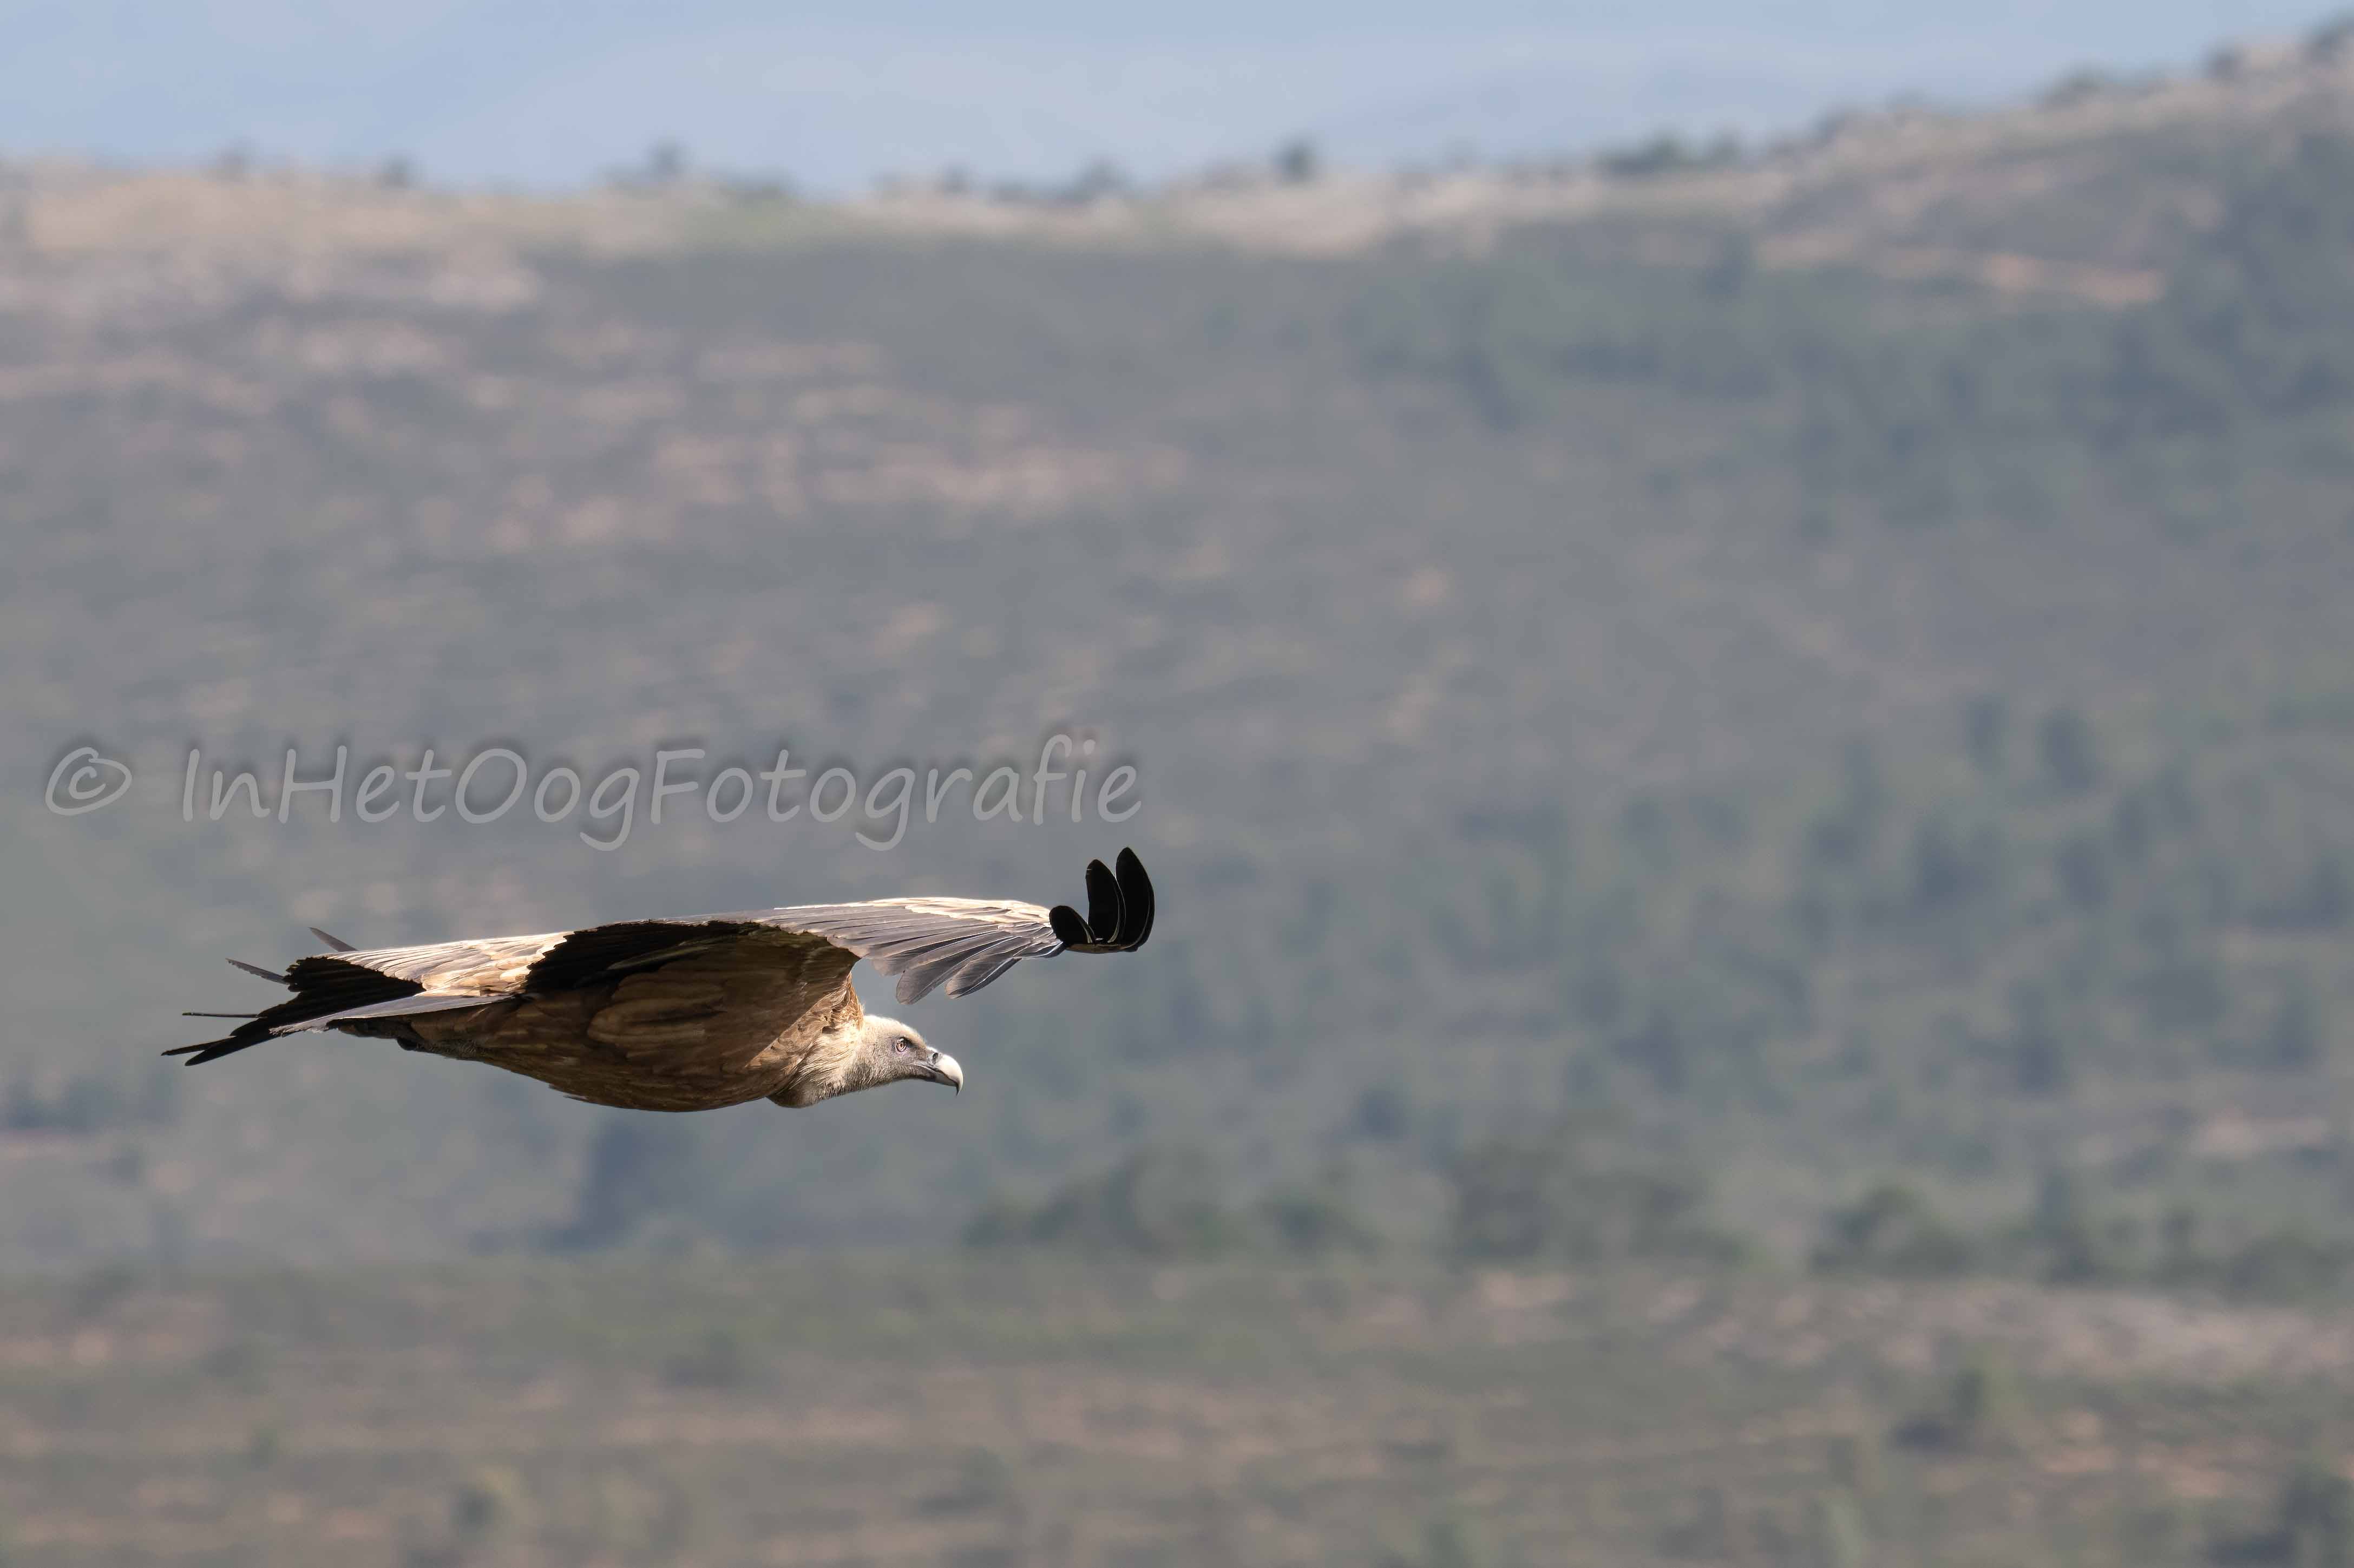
(943, 1069)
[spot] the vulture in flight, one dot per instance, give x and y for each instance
(697, 1013)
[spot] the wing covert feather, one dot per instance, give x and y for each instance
(717, 1011)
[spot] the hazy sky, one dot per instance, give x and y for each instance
(554, 91)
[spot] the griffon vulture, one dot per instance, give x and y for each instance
(697, 1013)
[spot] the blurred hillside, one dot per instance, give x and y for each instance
(1830, 661)
(944, 1409)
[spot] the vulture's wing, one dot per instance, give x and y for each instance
(967, 942)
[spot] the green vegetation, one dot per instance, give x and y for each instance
(1579, 1193)
(1891, 1229)
(1159, 1203)
(90, 1102)
(2242, 361)
(2312, 1523)
(1981, 1409)
(1168, 1202)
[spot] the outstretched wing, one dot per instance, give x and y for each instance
(969, 942)
(964, 942)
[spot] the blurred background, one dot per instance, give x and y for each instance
(1732, 622)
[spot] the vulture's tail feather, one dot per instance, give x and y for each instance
(228, 1044)
(323, 984)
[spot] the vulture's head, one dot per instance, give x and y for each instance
(889, 1051)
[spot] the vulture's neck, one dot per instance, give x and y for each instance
(830, 1064)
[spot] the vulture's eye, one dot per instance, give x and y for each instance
(904, 1046)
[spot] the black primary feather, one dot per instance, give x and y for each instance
(335, 942)
(1136, 901)
(1103, 902)
(1069, 929)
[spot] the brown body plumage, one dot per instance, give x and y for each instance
(745, 1021)
(694, 1013)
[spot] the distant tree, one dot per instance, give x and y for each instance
(1848, 832)
(2080, 86)
(1710, 1529)
(1668, 153)
(2322, 899)
(1515, 922)
(1891, 1229)
(2079, 864)
(1384, 1113)
(2133, 826)
(1448, 1541)
(2185, 987)
(2069, 750)
(2297, 1034)
(1580, 1192)
(2179, 1259)
(1952, 865)
(2041, 1054)
(666, 163)
(761, 188)
(2312, 1523)
(263, 1448)
(718, 1359)
(1097, 182)
(1158, 1202)
(2315, 1517)
(490, 1503)
(639, 1166)
(2226, 62)
(2286, 1264)
(1981, 1409)
(1841, 1539)
(986, 1481)
(2332, 41)
(1730, 272)
(1318, 1218)
(1983, 1403)
(1658, 1045)
(2067, 1243)
(2327, 900)
(1854, 1459)
(91, 1102)
(1985, 731)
